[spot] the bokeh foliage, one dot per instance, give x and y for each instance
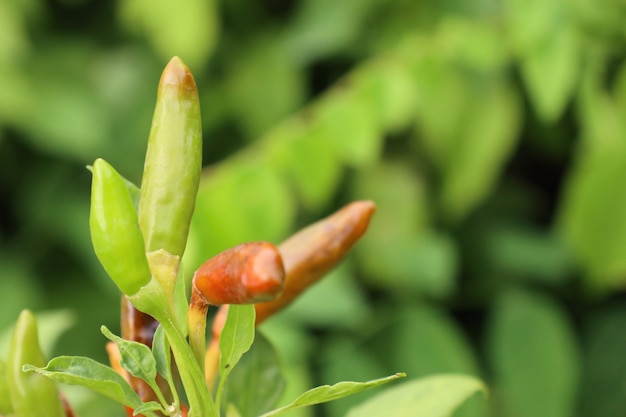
(491, 134)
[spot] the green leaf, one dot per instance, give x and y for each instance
(239, 201)
(136, 357)
(425, 341)
(603, 363)
(399, 251)
(257, 383)
(237, 336)
(263, 85)
(327, 393)
(149, 406)
(161, 353)
(308, 161)
(348, 358)
(78, 370)
(435, 396)
(545, 38)
(388, 85)
(186, 29)
(236, 339)
(591, 215)
(533, 355)
(481, 147)
(348, 122)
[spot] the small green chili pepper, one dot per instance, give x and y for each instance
(32, 395)
(173, 162)
(115, 233)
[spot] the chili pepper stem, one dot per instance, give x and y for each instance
(200, 401)
(152, 300)
(196, 323)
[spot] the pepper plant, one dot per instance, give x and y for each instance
(161, 365)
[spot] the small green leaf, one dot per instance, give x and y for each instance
(257, 383)
(235, 340)
(237, 335)
(435, 396)
(149, 406)
(327, 393)
(136, 357)
(161, 353)
(78, 370)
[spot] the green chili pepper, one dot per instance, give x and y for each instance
(32, 395)
(115, 233)
(173, 162)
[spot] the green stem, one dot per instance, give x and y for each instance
(200, 401)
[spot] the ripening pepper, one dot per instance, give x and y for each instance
(173, 162)
(32, 395)
(245, 274)
(115, 234)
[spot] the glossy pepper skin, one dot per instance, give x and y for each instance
(115, 234)
(245, 274)
(173, 162)
(32, 395)
(313, 251)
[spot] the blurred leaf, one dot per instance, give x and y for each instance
(528, 253)
(256, 384)
(387, 85)
(323, 27)
(481, 148)
(534, 357)
(188, 29)
(343, 358)
(547, 44)
(47, 127)
(592, 217)
(263, 86)
(238, 202)
(468, 118)
(604, 367)
(21, 291)
(426, 341)
(399, 252)
(306, 159)
(337, 301)
(15, 43)
(436, 396)
(348, 122)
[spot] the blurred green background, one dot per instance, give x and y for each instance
(491, 134)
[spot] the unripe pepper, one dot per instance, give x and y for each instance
(32, 395)
(115, 234)
(173, 162)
